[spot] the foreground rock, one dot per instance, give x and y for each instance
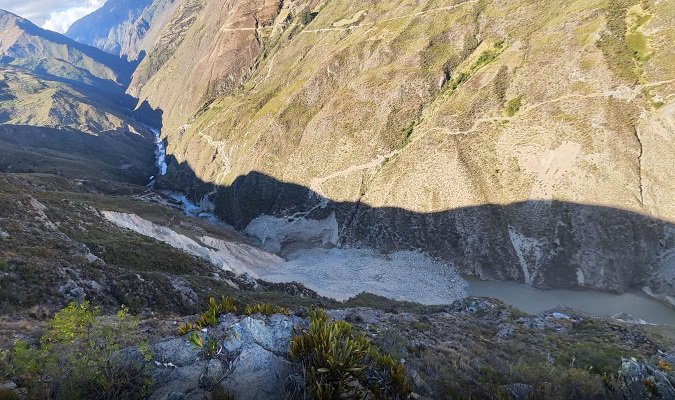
(475, 347)
(248, 360)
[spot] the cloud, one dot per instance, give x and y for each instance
(56, 15)
(60, 21)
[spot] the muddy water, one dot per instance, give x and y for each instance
(534, 300)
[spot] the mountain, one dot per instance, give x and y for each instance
(28, 46)
(49, 80)
(209, 48)
(124, 28)
(63, 108)
(508, 145)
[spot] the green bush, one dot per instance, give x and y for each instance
(619, 55)
(227, 305)
(485, 58)
(75, 357)
(265, 309)
(339, 363)
(210, 316)
(513, 106)
(196, 339)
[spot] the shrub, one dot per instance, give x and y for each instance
(339, 363)
(75, 357)
(485, 58)
(664, 365)
(196, 339)
(513, 106)
(265, 309)
(210, 316)
(307, 16)
(211, 348)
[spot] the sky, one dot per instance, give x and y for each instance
(55, 15)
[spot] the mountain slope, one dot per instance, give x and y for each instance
(26, 45)
(124, 28)
(48, 80)
(210, 47)
(403, 115)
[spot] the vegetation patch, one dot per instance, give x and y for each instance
(226, 306)
(340, 363)
(74, 359)
(624, 46)
(210, 316)
(485, 58)
(513, 106)
(266, 309)
(307, 16)
(407, 131)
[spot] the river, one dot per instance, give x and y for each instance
(534, 301)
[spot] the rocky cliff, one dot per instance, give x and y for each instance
(530, 149)
(126, 28)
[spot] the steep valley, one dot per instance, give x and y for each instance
(534, 151)
(482, 190)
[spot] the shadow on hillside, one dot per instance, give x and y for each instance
(122, 156)
(547, 243)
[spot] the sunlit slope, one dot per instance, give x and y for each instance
(125, 28)
(469, 105)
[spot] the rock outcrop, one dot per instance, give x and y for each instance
(248, 355)
(250, 361)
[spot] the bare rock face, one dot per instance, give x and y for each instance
(534, 150)
(644, 381)
(251, 362)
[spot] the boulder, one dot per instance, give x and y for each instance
(273, 334)
(641, 381)
(258, 374)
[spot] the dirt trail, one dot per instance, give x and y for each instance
(622, 92)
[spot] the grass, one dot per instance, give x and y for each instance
(485, 58)
(407, 132)
(226, 306)
(624, 46)
(265, 309)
